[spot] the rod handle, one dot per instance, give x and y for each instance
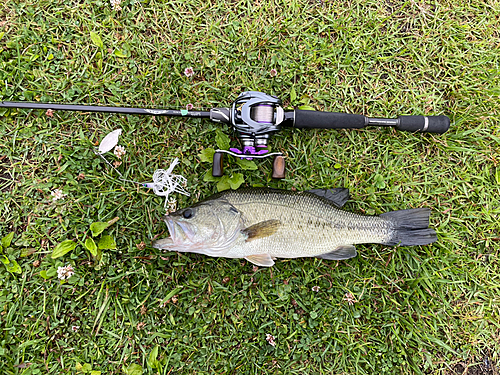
(334, 120)
(425, 124)
(327, 120)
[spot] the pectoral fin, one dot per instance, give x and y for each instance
(262, 229)
(263, 260)
(341, 252)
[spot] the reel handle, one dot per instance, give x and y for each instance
(278, 167)
(217, 166)
(334, 120)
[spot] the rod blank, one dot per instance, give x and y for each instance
(106, 109)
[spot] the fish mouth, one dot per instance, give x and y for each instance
(164, 243)
(180, 234)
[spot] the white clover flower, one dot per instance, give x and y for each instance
(349, 298)
(57, 194)
(189, 72)
(273, 72)
(119, 151)
(315, 288)
(171, 205)
(115, 4)
(270, 339)
(64, 273)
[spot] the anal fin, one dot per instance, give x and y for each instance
(263, 260)
(340, 253)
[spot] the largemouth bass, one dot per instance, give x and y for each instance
(261, 224)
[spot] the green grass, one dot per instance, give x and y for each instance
(431, 310)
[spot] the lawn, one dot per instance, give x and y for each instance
(132, 309)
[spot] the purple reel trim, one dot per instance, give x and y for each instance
(249, 150)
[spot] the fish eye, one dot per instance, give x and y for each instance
(187, 213)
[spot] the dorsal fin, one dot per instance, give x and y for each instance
(338, 196)
(262, 229)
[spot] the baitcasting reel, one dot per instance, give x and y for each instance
(255, 116)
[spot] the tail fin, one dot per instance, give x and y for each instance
(410, 227)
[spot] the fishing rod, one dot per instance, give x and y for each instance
(255, 116)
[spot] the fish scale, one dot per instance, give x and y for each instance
(310, 225)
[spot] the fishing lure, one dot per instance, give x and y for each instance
(164, 181)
